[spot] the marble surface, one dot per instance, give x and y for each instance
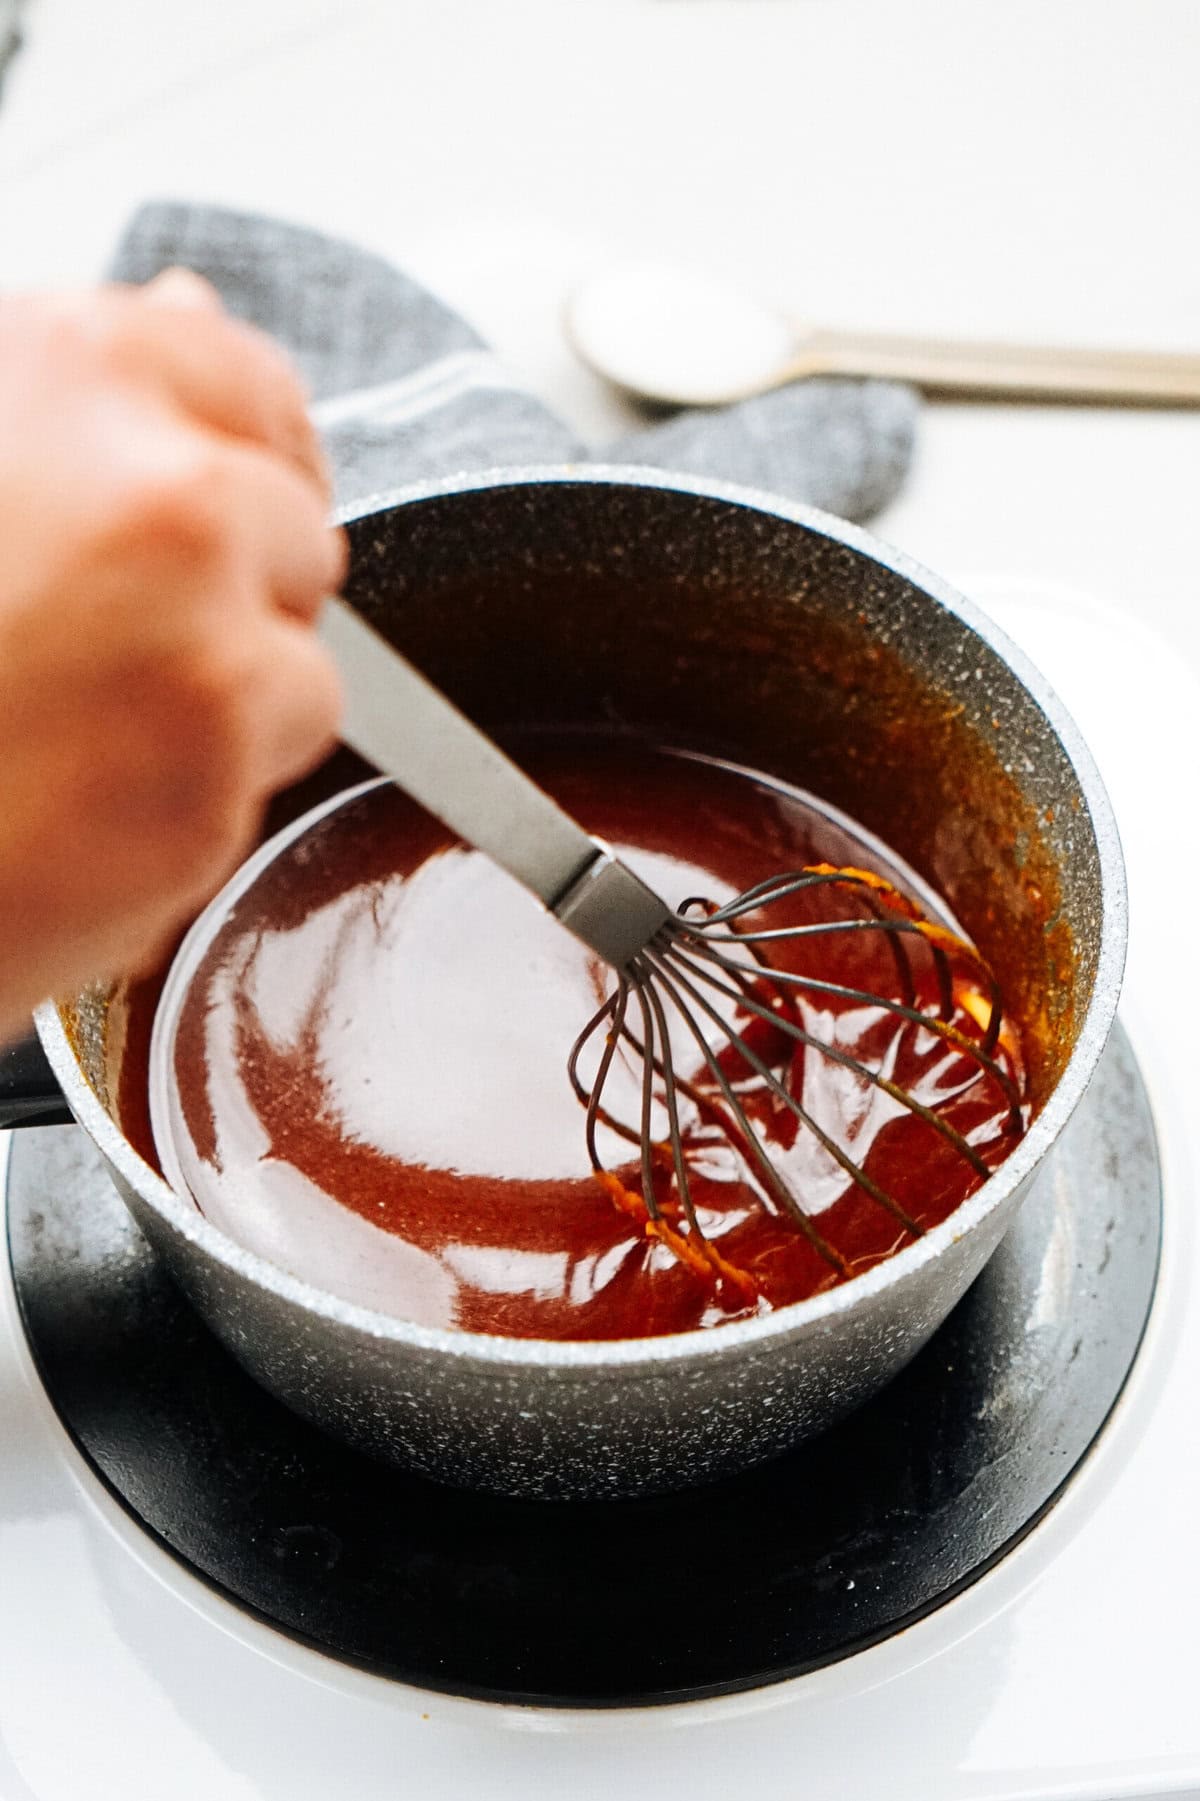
(1018, 171)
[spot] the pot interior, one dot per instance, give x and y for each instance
(694, 621)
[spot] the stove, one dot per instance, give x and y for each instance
(982, 1586)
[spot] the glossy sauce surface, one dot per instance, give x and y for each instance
(371, 1066)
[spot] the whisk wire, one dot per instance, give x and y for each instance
(690, 964)
(942, 1028)
(649, 1064)
(892, 912)
(614, 1009)
(841, 1157)
(834, 1055)
(747, 1137)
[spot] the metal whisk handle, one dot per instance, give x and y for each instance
(611, 909)
(407, 728)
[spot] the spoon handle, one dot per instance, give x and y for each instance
(1013, 371)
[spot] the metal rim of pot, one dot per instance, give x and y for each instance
(757, 1332)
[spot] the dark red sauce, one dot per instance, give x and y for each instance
(371, 1064)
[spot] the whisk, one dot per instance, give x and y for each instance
(710, 972)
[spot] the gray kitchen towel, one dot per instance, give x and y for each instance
(10, 33)
(403, 388)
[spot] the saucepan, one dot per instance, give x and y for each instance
(714, 619)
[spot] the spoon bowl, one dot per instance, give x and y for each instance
(677, 336)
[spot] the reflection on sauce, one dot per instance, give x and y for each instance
(371, 1063)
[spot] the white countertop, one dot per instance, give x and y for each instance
(1025, 170)
(1019, 170)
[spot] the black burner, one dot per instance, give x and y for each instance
(795, 1565)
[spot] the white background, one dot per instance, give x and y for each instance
(945, 165)
(1020, 169)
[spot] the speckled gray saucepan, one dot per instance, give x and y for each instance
(719, 620)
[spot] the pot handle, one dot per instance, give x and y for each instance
(29, 1092)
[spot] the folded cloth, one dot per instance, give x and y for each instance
(10, 33)
(403, 388)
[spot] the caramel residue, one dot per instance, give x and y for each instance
(981, 1010)
(696, 1254)
(702, 1258)
(625, 1200)
(977, 1005)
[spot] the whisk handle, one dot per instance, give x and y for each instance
(411, 732)
(407, 728)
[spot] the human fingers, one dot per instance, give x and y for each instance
(276, 523)
(225, 373)
(299, 705)
(182, 287)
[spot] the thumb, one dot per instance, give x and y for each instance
(182, 287)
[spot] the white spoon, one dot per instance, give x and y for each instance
(684, 338)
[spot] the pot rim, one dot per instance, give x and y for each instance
(758, 1333)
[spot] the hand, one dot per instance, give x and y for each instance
(163, 555)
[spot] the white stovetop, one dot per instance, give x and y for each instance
(1027, 170)
(1069, 1671)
